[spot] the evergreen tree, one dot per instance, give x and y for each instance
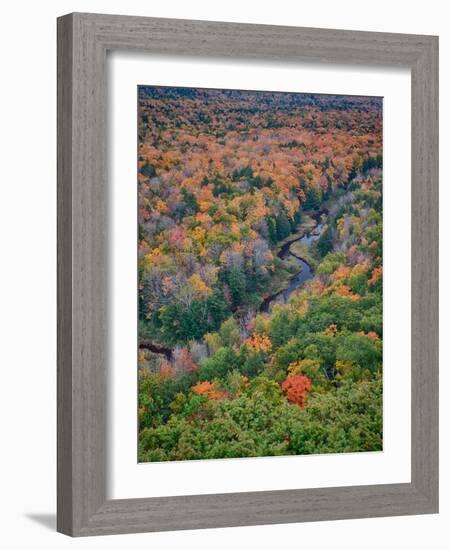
(313, 198)
(148, 170)
(325, 243)
(190, 200)
(283, 226)
(271, 225)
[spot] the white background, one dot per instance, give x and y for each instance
(131, 480)
(28, 299)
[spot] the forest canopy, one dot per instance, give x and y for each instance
(260, 273)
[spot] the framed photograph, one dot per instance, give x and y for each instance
(247, 274)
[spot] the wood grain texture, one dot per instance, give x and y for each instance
(64, 329)
(425, 272)
(83, 41)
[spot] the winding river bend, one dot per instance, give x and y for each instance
(305, 270)
(304, 273)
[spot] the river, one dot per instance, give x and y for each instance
(304, 273)
(305, 270)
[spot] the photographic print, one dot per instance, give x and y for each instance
(259, 273)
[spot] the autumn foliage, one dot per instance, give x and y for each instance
(296, 388)
(258, 342)
(208, 389)
(241, 194)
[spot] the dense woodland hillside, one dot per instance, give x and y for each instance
(238, 355)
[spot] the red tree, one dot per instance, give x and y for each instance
(296, 388)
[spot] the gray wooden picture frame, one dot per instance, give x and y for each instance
(83, 41)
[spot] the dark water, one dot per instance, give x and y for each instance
(156, 348)
(305, 271)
